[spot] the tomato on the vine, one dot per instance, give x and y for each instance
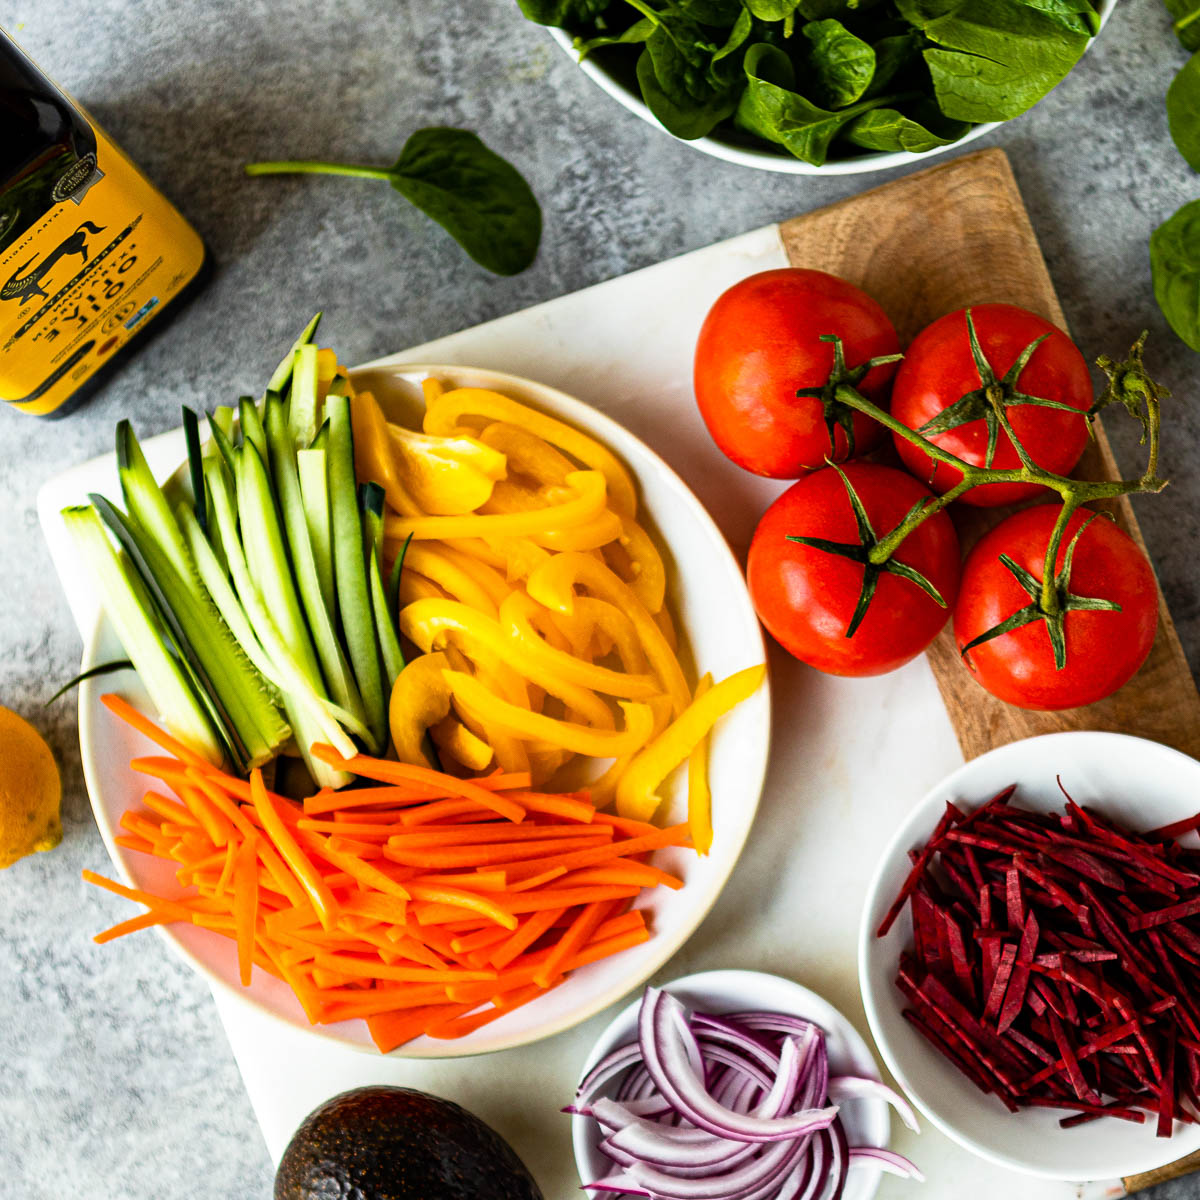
(761, 343)
(810, 594)
(945, 388)
(1107, 610)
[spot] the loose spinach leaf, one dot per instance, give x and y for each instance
(477, 197)
(841, 65)
(1186, 14)
(637, 33)
(1183, 111)
(563, 12)
(739, 33)
(771, 109)
(676, 85)
(889, 129)
(892, 55)
(1078, 15)
(722, 13)
(773, 10)
(992, 59)
(1175, 265)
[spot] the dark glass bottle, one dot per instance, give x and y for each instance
(92, 256)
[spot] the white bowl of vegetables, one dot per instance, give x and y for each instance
(733, 1083)
(867, 103)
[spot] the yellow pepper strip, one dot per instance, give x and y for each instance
(699, 793)
(515, 615)
(449, 576)
(477, 548)
(420, 699)
(509, 752)
(521, 557)
(484, 574)
(595, 535)
(527, 454)
(447, 476)
(456, 740)
(637, 791)
(589, 500)
(444, 415)
(649, 580)
(543, 763)
(603, 789)
(553, 583)
(417, 587)
(374, 459)
(580, 739)
(431, 389)
(430, 622)
(666, 627)
(617, 628)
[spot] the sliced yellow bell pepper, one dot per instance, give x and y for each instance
(637, 790)
(431, 389)
(446, 476)
(588, 502)
(448, 575)
(527, 454)
(446, 412)
(476, 699)
(618, 629)
(649, 580)
(484, 574)
(604, 788)
(553, 584)
(374, 458)
(452, 737)
(699, 793)
(417, 587)
(605, 527)
(428, 623)
(516, 619)
(420, 698)
(479, 549)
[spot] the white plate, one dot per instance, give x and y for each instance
(711, 605)
(866, 1122)
(779, 160)
(1133, 781)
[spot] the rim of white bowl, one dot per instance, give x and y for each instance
(784, 164)
(914, 830)
(747, 985)
(612, 431)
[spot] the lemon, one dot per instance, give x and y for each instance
(30, 791)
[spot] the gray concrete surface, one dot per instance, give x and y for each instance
(115, 1079)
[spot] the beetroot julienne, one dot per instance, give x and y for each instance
(1055, 960)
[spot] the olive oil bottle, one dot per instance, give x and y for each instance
(92, 256)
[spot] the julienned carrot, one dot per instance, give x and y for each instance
(509, 890)
(130, 715)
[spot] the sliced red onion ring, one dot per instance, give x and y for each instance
(887, 1160)
(859, 1087)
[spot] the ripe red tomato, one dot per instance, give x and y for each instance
(806, 597)
(940, 371)
(761, 342)
(1103, 648)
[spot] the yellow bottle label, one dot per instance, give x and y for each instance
(87, 278)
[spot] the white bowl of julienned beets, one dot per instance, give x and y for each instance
(712, 609)
(747, 151)
(1138, 784)
(866, 1120)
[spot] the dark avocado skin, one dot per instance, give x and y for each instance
(391, 1143)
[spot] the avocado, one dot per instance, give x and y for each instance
(393, 1143)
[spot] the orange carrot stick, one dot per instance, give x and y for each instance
(461, 898)
(494, 854)
(578, 935)
(154, 917)
(363, 969)
(526, 934)
(475, 835)
(169, 810)
(245, 906)
(392, 1029)
(336, 851)
(130, 715)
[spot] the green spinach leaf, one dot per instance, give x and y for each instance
(563, 12)
(1078, 15)
(841, 65)
(992, 59)
(480, 199)
(1175, 265)
(637, 33)
(1183, 111)
(771, 109)
(676, 84)
(773, 10)
(889, 129)
(1186, 14)
(893, 55)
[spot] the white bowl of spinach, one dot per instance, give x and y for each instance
(828, 86)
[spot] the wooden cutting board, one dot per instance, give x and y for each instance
(923, 246)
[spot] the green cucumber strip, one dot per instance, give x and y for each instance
(314, 494)
(339, 385)
(253, 432)
(350, 570)
(221, 429)
(267, 557)
(310, 718)
(339, 680)
(108, 668)
(304, 408)
(148, 506)
(283, 372)
(166, 589)
(370, 499)
(191, 436)
(216, 580)
(321, 441)
(385, 624)
(394, 581)
(130, 611)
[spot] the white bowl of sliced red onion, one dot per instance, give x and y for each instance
(733, 1085)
